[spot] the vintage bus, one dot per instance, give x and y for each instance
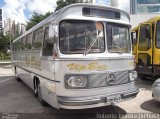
(79, 57)
(146, 48)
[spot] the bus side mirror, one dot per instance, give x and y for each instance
(53, 31)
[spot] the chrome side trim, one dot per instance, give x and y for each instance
(84, 101)
(37, 74)
(131, 93)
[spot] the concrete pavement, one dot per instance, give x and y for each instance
(6, 71)
(143, 103)
(4, 63)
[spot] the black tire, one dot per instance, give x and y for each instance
(142, 77)
(36, 91)
(17, 78)
(43, 103)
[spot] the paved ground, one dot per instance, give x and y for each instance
(17, 97)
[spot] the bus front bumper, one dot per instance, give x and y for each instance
(95, 101)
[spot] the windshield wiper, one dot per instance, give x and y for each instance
(90, 46)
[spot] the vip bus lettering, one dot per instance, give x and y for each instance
(27, 61)
(90, 66)
(35, 63)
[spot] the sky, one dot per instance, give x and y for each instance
(21, 10)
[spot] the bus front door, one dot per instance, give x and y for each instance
(144, 50)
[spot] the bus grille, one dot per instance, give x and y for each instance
(100, 80)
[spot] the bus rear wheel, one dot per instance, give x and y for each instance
(142, 77)
(17, 78)
(43, 103)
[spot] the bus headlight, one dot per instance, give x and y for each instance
(132, 75)
(77, 82)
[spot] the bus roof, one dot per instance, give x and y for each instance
(153, 20)
(150, 21)
(62, 12)
(93, 6)
(134, 29)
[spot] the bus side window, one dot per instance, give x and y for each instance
(47, 43)
(35, 39)
(23, 42)
(145, 37)
(37, 42)
(28, 44)
(134, 37)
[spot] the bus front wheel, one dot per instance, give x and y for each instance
(43, 103)
(142, 76)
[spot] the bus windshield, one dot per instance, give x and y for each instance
(76, 37)
(118, 39)
(83, 37)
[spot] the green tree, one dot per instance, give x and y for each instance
(36, 18)
(4, 43)
(63, 3)
(4, 46)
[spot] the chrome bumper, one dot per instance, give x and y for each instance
(93, 100)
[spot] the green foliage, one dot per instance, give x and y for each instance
(4, 43)
(36, 18)
(62, 3)
(4, 56)
(4, 46)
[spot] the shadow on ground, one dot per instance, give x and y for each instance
(108, 112)
(19, 98)
(145, 84)
(151, 106)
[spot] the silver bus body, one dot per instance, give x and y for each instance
(102, 78)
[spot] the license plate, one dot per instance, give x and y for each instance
(114, 98)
